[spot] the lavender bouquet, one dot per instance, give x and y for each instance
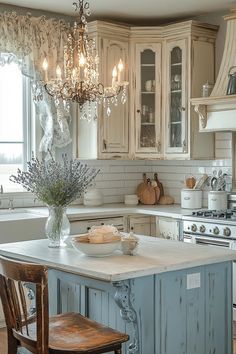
(55, 183)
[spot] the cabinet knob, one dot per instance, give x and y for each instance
(183, 109)
(184, 145)
(158, 145)
(104, 144)
(138, 111)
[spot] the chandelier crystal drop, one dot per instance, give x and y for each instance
(77, 78)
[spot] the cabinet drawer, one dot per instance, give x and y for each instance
(81, 226)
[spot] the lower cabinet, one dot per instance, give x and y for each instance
(168, 228)
(142, 225)
(186, 311)
(163, 227)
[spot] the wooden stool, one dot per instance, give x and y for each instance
(69, 333)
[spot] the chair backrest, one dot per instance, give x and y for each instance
(30, 330)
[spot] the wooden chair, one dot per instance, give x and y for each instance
(69, 333)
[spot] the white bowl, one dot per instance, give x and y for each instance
(95, 249)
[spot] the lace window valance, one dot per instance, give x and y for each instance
(29, 38)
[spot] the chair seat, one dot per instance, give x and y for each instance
(73, 332)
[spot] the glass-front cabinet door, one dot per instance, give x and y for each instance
(176, 99)
(148, 98)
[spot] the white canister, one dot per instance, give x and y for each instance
(131, 199)
(93, 197)
(217, 200)
(191, 198)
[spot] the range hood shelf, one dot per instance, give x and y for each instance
(218, 112)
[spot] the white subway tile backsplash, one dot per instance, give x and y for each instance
(119, 177)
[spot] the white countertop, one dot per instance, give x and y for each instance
(82, 212)
(154, 256)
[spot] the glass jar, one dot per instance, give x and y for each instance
(207, 89)
(57, 226)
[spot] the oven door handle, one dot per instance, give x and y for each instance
(213, 241)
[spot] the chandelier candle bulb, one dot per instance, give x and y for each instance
(120, 70)
(58, 72)
(114, 76)
(45, 68)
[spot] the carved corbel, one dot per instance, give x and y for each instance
(201, 110)
(124, 298)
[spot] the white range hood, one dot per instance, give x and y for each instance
(218, 111)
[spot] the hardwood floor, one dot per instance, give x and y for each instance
(3, 340)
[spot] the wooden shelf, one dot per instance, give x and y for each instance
(176, 64)
(147, 123)
(176, 91)
(211, 110)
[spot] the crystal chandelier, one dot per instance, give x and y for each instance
(78, 79)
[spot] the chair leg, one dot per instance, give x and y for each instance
(118, 351)
(12, 343)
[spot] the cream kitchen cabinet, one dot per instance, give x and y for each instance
(166, 66)
(188, 62)
(147, 104)
(109, 136)
(142, 225)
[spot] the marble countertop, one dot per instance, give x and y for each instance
(78, 212)
(154, 256)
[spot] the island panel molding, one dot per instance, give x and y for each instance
(125, 298)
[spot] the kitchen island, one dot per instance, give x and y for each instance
(172, 298)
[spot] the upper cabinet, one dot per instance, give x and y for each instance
(147, 99)
(109, 136)
(167, 66)
(114, 130)
(176, 103)
(188, 63)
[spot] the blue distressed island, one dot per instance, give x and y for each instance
(172, 298)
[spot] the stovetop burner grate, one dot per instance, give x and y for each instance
(216, 214)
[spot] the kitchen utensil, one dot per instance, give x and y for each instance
(231, 89)
(141, 186)
(200, 183)
(148, 194)
(159, 185)
(190, 182)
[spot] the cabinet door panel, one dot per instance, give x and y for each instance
(148, 98)
(141, 225)
(114, 130)
(176, 100)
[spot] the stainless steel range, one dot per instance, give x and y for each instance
(213, 228)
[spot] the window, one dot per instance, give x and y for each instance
(15, 143)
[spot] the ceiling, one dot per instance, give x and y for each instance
(132, 11)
